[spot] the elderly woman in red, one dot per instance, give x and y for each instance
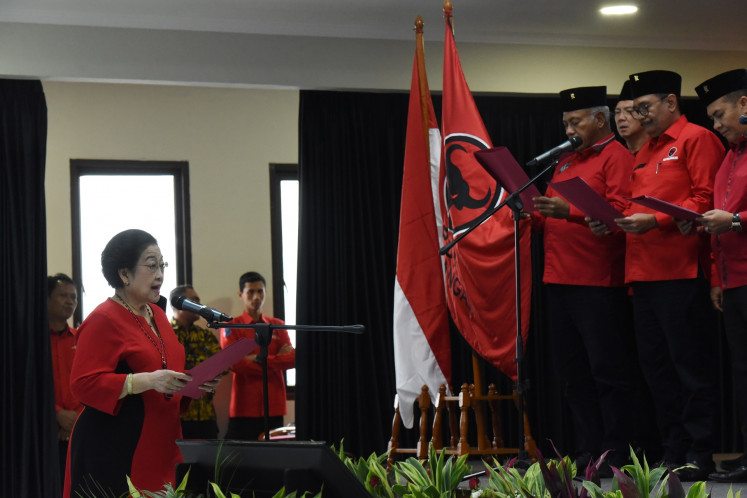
(127, 366)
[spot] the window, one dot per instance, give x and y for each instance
(284, 228)
(110, 196)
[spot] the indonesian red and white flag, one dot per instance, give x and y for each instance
(422, 353)
(480, 275)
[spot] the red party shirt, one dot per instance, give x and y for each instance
(730, 194)
(573, 254)
(63, 352)
(246, 389)
(677, 167)
(110, 342)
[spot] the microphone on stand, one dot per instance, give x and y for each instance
(743, 119)
(567, 146)
(209, 314)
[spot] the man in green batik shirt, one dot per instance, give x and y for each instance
(198, 422)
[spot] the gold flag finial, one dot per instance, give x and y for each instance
(419, 24)
(447, 14)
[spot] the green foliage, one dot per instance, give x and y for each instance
(697, 490)
(643, 480)
(370, 471)
(439, 480)
(558, 476)
(508, 482)
(168, 490)
(440, 477)
(219, 493)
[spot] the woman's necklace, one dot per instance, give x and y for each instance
(162, 349)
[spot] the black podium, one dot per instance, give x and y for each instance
(259, 469)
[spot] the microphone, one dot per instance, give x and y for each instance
(209, 314)
(567, 146)
(743, 119)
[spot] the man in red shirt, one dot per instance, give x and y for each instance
(246, 413)
(725, 96)
(62, 299)
(628, 127)
(587, 304)
(667, 272)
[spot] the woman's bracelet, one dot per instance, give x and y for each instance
(129, 384)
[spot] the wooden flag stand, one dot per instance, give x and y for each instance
(454, 413)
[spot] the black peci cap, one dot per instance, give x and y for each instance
(584, 97)
(625, 93)
(649, 82)
(722, 84)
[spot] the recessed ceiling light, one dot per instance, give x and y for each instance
(619, 10)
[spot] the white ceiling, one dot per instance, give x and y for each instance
(677, 24)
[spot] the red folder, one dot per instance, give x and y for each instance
(502, 166)
(588, 201)
(665, 207)
(215, 365)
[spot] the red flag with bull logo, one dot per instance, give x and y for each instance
(480, 275)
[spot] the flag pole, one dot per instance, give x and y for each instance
(514, 202)
(422, 83)
(448, 7)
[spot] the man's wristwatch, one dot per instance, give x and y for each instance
(736, 223)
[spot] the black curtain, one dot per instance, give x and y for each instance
(29, 429)
(350, 169)
(349, 207)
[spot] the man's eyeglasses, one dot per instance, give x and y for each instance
(642, 110)
(154, 267)
(627, 110)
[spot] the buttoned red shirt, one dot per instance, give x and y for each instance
(573, 254)
(63, 351)
(730, 194)
(678, 167)
(246, 389)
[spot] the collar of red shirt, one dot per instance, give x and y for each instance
(67, 329)
(670, 133)
(599, 146)
(741, 143)
(249, 318)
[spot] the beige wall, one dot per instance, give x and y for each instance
(228, 136)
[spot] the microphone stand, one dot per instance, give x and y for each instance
(490, 212)
(514, 202)
(263, 337)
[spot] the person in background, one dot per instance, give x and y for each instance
(199, 421)
(246, 413)
(587, 304)
(628, 127)
(62, 299)
(667, 271)
(725, 98)
(127, 367)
